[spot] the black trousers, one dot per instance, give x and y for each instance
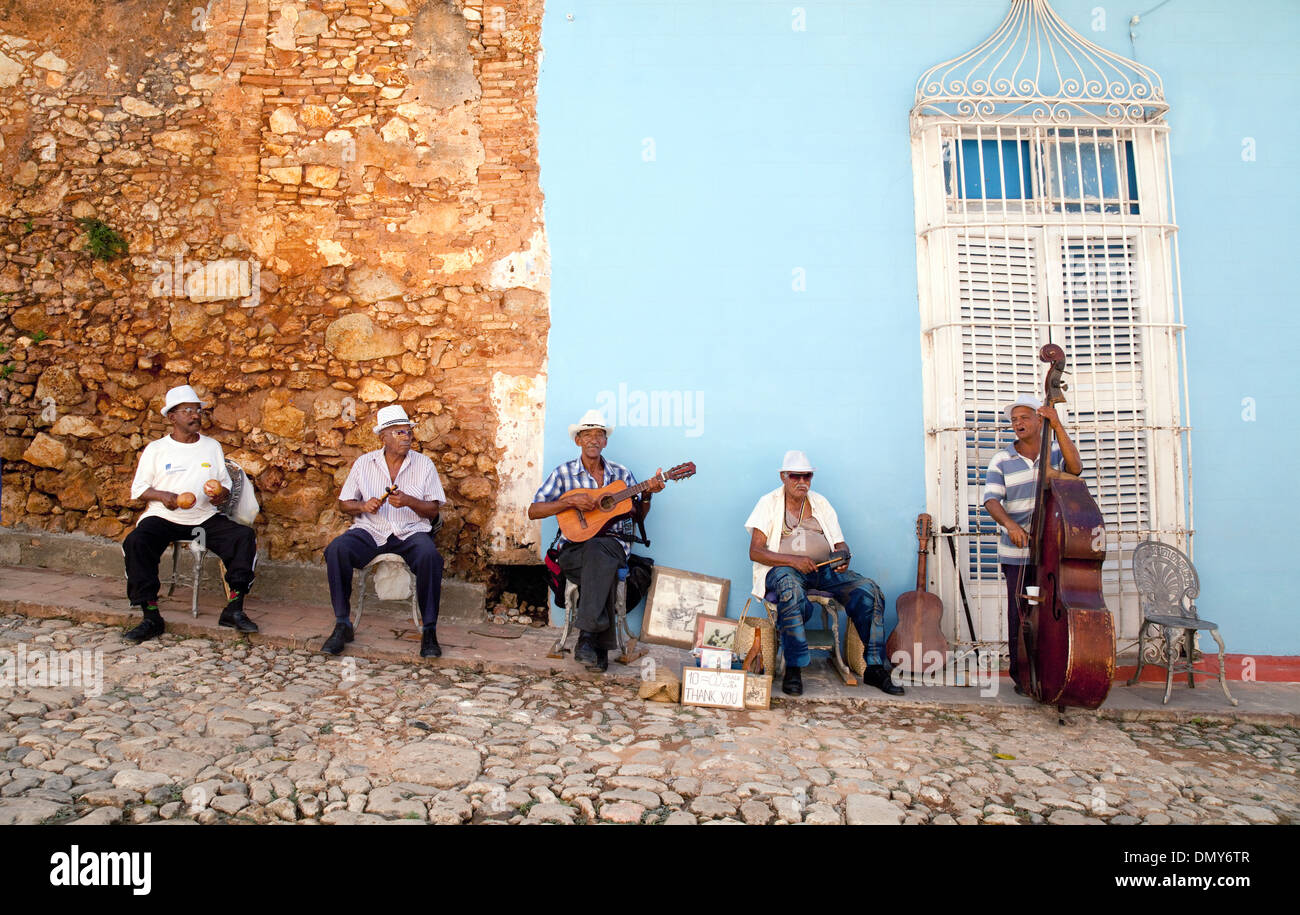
(1015, 576)
(234, 543)
(594, 566)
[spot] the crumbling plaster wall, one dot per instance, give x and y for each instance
(369, 172)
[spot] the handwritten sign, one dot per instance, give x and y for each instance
(713, 688)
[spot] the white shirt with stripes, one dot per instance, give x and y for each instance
(368, 479)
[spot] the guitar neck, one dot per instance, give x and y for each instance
(634, 490)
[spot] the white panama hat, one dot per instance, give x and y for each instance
(1024, 400)
(179, 395)
(592, 419)
(796, 462)
(390, 416)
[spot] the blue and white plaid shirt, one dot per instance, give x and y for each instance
(572, 475)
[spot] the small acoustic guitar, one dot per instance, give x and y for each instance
(613, 501)
(919, 613)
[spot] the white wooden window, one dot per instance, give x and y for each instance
(1028, 234)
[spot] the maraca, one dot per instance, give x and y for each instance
(211, 488)
(185, 500)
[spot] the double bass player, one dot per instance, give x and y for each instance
(1009, 490)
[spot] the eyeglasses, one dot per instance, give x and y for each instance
(799, 476)
(403, 432)
(187, 410)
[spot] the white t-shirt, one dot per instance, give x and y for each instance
(173, 466)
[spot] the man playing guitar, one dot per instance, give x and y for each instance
(594, 563)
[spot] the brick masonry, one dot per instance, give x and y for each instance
(329, 206)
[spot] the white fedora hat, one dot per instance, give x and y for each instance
(179, 395)
(592, 419)
(389, 416)
(1024, 400)
(796, 462)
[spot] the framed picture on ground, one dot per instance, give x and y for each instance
(758, 691)
(675, 599)
(716, 632)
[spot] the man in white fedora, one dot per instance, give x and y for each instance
(394, 495)
(1010, 488)
(594, 564)
(791, 530)
(182, 478)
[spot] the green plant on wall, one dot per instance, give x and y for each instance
(102, 241)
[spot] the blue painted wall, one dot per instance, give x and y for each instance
(702, 160)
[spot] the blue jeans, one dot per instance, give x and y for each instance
(861, 598)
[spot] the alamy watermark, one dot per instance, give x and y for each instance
(24, 668)
(931, 668)
(634, 407)
(208, 281)
(75, 867)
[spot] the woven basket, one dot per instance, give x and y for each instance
(666, 686)
(745, 636)
(853, 651)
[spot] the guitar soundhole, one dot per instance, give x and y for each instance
(606, 503)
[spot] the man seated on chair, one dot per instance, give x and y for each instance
(792, 530)
(182, 477)
(1010, 488)
(594, 563)
(394, 494)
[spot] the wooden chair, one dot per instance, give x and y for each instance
(1167, 588)
(826, 639)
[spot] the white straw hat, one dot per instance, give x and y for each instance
(796, 462)
(179, 395)
(389, 416)
(1024, 400)
(592, 419)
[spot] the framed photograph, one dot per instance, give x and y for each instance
(758, 691)
(675, 599)
(715, 658)
(713, 688)
(716, 632)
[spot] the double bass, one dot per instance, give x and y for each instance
(1067, 636)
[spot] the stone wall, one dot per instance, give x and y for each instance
(329, 206)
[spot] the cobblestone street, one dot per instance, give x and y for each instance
(195, 729)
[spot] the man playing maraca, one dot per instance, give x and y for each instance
(182, 477)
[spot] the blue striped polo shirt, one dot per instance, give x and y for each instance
(1012, 479)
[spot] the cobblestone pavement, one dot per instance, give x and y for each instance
(192, 729)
